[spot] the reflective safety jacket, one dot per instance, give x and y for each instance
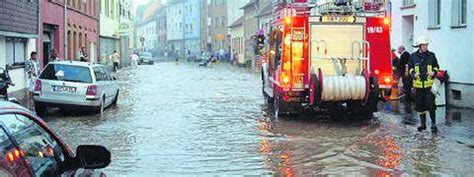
(423, 64)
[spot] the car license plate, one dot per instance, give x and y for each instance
(57, 88)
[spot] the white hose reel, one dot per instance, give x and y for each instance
(343, 88)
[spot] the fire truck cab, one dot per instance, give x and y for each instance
(327, 56)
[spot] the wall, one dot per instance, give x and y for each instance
(233, 10)
(19, 17)
(53, 14)
(237, 34)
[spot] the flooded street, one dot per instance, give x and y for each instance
(190, 120)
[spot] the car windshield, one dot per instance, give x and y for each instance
(145, 54)
(68, 73)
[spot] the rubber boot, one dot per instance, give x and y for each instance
(423, 122)
(434, 129)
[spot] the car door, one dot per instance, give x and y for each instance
(107, 87)
(101, 79)
(45, 155)
(112, 84)
(12, 162)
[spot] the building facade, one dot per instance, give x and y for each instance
(19, 33)
(68, 29)
(149, 28)
(161, 21)
(124, 30)
(109, 28)
(237, 41)
(192, 27)
(445, 23)
(234, 20)
(175, 28)
(218, 26)
(250, 23)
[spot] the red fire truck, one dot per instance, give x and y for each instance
(327, 56)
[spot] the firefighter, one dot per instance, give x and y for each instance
(423, 67)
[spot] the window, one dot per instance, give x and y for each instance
(69, 73)
(434, 13)
(107, 10)
(408, 3)
(45, 155)
(459, 13)
(16, 50)
(11, 164)
(101, 74)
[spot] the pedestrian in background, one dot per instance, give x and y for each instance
(115, 57)
(423, 68)
(134, 60)
(405, 81)
(32, 67)
(81, 55)
(54, 55)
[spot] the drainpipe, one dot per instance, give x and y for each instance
(65, 33)
(38, 41)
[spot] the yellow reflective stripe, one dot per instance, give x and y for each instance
(411, 70)
(417, 69)
(429, 68)
(436, 69)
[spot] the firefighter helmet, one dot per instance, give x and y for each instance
(422, 40)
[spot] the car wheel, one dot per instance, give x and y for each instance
(101, 107)
(39, 109)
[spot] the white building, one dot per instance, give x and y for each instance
(450, 26)
(175, 30)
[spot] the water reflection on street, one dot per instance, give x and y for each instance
(184, 119)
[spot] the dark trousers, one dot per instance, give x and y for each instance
(407, 90)
(116, 66)
(425, 102)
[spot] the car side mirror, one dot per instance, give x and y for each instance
(93, 156)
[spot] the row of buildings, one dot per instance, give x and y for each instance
(100, 26)
(183, 27)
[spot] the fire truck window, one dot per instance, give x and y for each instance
(279, 48)
(11, 161)
(43, 152)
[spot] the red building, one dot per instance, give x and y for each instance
(79, 29)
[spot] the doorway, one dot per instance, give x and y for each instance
(47, 46)
(407, 32)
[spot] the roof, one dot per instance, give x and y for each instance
(77, 63)
(237, 22)
(9, 105)
(251, 2)
(151, 10)
(267, 9)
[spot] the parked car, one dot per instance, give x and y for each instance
(28, 147)
(66, 84)
(146, 58)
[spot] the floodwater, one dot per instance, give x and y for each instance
(182, 119)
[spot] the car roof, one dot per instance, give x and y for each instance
(76, 63)
(5, 105)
